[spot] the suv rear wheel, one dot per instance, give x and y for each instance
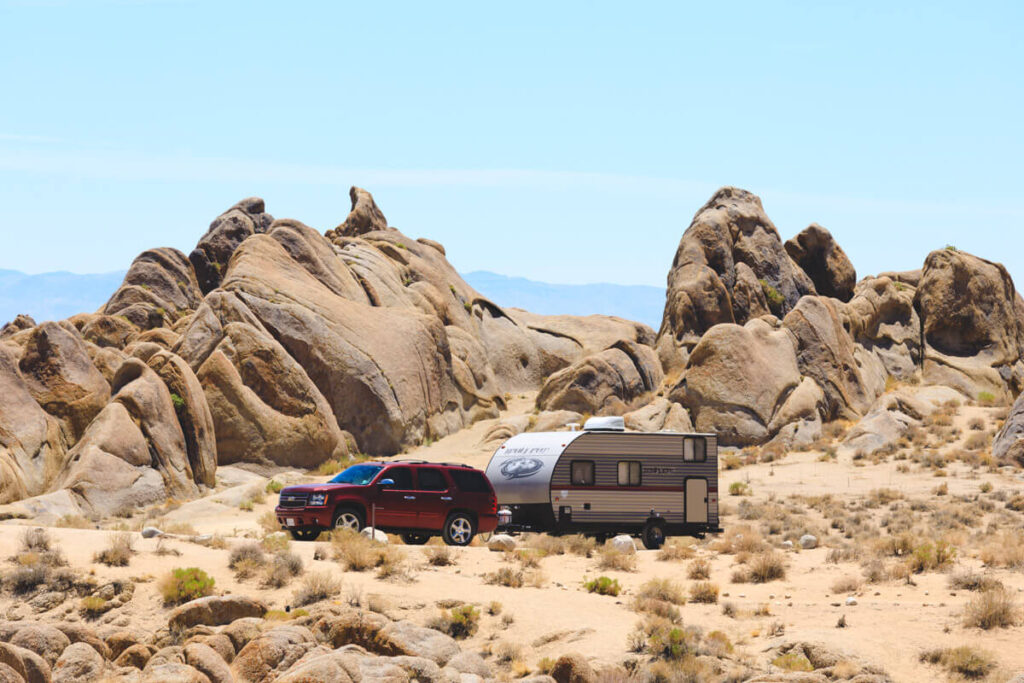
(348, 518)
(415, 539)
(459, 529)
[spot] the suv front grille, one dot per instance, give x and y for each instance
(295, 500)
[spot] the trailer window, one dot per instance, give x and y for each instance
(629, 472)
(694, 450)
(582, 472)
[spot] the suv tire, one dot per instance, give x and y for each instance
(459, 529)
(415, 539)
(348, 518)
(305, 534)
(653, 535)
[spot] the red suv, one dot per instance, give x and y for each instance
(413, 498)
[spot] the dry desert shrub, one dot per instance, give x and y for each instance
(458, 622)
(676, 549)
(699, 569)
(282, 568)
(965, 661)
(612, 558)
(972, 581)
(507, 652)
(993, 608)
(545, 544)
(245, 558)
(440, 556)
(931, 556)
(506, 576)
(391, 563)
(118, 552)
(846, 584)
(762, 568)
(317, 586)
(74, 522)
(663, 589)
(354, 551)
(739, 539)
(36, 540)
(704, 592)
(583, 546)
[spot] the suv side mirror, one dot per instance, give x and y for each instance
(386, 482)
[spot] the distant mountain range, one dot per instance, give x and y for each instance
(641, 303)
(55, 296)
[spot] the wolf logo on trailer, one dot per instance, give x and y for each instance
(517, 468)
(604, 480)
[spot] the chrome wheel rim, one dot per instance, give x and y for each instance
(460, 530)
(347, 520)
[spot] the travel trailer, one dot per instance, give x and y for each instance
(603, 480)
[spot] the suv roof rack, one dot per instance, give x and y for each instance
(456, 464)
(408, 462)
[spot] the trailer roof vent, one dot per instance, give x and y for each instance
(611, 423)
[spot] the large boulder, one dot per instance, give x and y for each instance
(79, 662)
(573, 668)
(817, 253)
(208, 662)
(1008, 445)
(193, 413)
(32, 444)
(31, 667)
(61, 377)
(159, 288)
(706, 285)
(736, 379)
(406, 638)
(269, 655)
(882, 319)
(970, 325)
(214, 610)
(45, 640)
(657, 415)
(850, 377)
(134, 452)
(605, 383)
(364, 217)
(213, 252)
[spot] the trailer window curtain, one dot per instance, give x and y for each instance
(582, 472)
(694, 450)
(630, 472)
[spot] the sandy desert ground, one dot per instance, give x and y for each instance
(878, 521)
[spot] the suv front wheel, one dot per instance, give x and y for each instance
(347, 518)
(458, 529)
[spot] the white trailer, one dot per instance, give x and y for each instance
(605, 480)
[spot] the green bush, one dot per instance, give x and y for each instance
(274, 486)
(458, 622)
(603, 585)
(986, 397)
(739, 488)
(773, 297)
(178, 401)
(184, 584)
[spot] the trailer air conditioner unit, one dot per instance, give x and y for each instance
(605, 424)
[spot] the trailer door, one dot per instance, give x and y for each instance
(696, 501)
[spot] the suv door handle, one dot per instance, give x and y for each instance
(446, 497)
(410, 497)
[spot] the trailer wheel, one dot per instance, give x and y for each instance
(654, 535)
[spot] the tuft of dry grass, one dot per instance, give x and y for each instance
(440, 556)
(762, 568)
(699, 570)
(506, 576)
(355, 552)
(119, 550)
(283, 567)
(611, 558)
(458, 622)
(662, 589)
(317, 586)
(993, 608)
(966, 661)
(846, 584)
(675, 550)
(704, 592)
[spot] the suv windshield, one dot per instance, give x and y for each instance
(360, 475)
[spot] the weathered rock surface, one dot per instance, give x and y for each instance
(134, 452)
(850, 377)
(193, 414)
(882, 319)
(970, 325)
(605, 383)
(78, 662)
(364, 217)
(158, 289)
(271, 654)
(213, 252)
(215, 610)
(817, 253)
(730, 229)
(736, 379)
(657, 415)
(1008, 445)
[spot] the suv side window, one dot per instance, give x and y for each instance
(469, 481)
(431, 479)
(402, 477)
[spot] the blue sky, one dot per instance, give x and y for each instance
(566, 142)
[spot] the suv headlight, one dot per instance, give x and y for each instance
(317, 499)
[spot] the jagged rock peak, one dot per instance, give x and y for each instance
(226, 232)
(364, 217)
(817, 253)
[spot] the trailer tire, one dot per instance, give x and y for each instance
(653, 535)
